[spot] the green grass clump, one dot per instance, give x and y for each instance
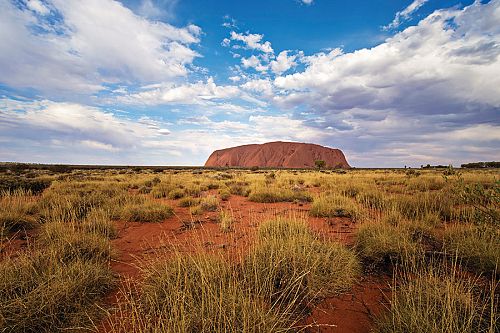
(432, 298)
(291, 267)
(150, 211)
(335, 206)
(197, 293)
(477, 246)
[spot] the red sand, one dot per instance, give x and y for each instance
(277, 155)
(137, 243)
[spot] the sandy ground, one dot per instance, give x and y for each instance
(137, 243)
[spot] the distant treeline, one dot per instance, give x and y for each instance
(477, 165)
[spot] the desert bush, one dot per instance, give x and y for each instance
(150, 211)
(335, 206)
(478, 247)
(33, 185)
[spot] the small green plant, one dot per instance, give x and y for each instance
(320, 164)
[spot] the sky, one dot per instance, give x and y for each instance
(166, 82)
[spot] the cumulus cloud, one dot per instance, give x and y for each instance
(78, 47)
(252, 41)
(75, 133)
(405, 14)
(440, 76)
(283, 62)
(193, 93)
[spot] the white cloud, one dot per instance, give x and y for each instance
(96, 42)
(254, 62)
(283, 62)
(42, 121)
(253, 41)
(38, 6)
(431, 68)
(405, 14)
(192, 93)
(307, 2)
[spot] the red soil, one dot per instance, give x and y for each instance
(137, 243)
(277, 155)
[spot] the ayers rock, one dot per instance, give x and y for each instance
(277, 155)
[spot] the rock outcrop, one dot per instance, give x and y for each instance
(277, 155)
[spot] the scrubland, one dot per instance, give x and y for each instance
(218, 264)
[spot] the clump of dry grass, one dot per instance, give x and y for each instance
(477, 246)
(55, 285)
(275, 193)
(434, 298)
(188, 202)
(39, 293)
(197, 293)
(383, 243)
(335, 205)
(226, 221)
(290, 266)
(150, 211)
(209, 203)
(18, 211)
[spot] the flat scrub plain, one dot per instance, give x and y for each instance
(198, 250)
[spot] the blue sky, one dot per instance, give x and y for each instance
(165, 82)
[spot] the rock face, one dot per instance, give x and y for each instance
(277, 155)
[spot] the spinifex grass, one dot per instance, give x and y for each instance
(433, 297)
